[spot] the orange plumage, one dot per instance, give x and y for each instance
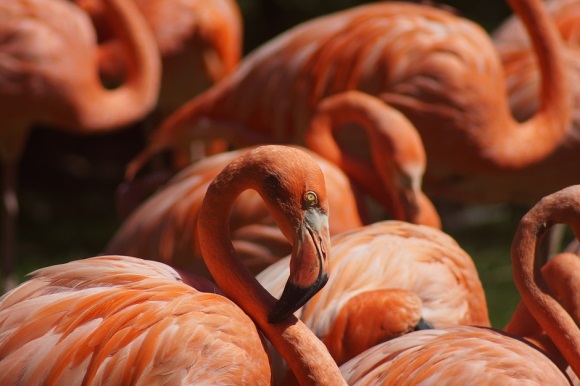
(440, 71)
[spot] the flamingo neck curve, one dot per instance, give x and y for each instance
(560, 207)
(531, 141)
(305, 354)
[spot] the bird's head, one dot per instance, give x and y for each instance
(292, 185)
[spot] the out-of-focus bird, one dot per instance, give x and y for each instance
(393, 175)
(123, 320)
(441, 71)
(200, 42)
(49, 75)
(388, 278)
(523, 80)
(164, 225)
(164, 228)
(478, 356)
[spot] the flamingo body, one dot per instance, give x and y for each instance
(199, 43)
(557, 170)
(463, 355)
(165, 226)
(40, 84)
(479, 356)
(400, 255)
(49, 75)
(441, 71)
(389, 255)
(123, 320)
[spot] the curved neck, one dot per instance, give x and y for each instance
(189, 122)
(304, 352)
(396, 148)
(537, 137)
(102, 109)
(562, 273)
(561, 207)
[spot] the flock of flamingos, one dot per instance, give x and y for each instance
(267, 259)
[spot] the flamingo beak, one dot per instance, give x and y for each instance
(308, 266)
(408, 199)
(423, 325)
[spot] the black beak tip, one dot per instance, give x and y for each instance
(424, 325)
(278, 313)
(293, 298)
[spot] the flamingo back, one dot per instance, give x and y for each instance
(394, 254)
(276, 88)
(461, 355)
(123, 320)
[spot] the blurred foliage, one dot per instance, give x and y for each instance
(67, 183)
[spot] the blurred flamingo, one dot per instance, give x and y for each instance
(441, 71)
(473, 355)
(49, 75)
(164, 228)
(122, 320)
(200, 43)
(392, 176)
(558, 169)
(164, 225)
(388, 278)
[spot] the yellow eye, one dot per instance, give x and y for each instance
(311, 198)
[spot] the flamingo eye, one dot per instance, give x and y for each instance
(311, 198)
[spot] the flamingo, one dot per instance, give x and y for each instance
(393, 176)
(441, 71)
(473, 355)
(199, 43)
(49, 75)
(300, 212)
(388, 278)
(164, 228)
(165, 223)
(561, 276)
(557, 170)
(123, 320)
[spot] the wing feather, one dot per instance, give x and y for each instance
(122, 320)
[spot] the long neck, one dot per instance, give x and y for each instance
(303, 351)
(561, 274)
(537, 137)
(103, 109)
(192, 121)
(396, 148)
(561, 207)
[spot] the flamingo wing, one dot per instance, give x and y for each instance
(462, 355)
(122, 320)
